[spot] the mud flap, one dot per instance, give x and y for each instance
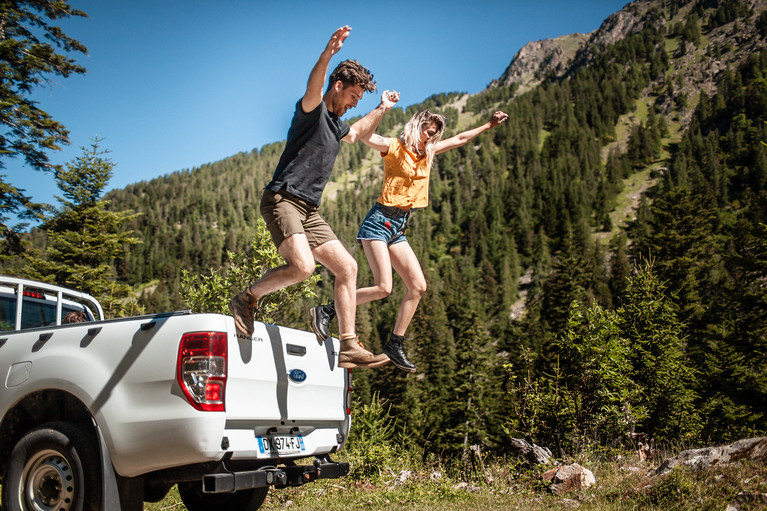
(110, 496)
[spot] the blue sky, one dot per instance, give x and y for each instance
(174, 84)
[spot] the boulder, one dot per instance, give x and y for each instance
(698, 459)
(567, 478)
(401, 478)
(466, 487)
(535, 454)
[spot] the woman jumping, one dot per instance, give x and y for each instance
(407, 165)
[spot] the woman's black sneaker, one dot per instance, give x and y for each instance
(393, 349)
(322, 315)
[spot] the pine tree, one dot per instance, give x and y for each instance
(13, 200)
(25, 130)
(620, 267)
(661, 368)
(568, 282)
(84, 237)
(687, 254)
(601, 394)
(474, 393)
(433, 350)
(736, 383)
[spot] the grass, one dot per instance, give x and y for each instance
(623, 483)
(671, 44)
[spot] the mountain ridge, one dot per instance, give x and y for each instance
(558, 58)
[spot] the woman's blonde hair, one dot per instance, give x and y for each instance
(411, 133)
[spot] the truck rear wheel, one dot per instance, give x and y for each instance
(55, 466)
(244, 500)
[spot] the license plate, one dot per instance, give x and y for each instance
(280, 445)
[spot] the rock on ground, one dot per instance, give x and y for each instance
(567, 478)
(698, 459)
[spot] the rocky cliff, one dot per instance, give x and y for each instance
(696, 67)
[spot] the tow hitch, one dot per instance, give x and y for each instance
(227, 481)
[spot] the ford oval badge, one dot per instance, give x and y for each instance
(297, 375)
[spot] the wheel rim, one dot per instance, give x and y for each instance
(47, 483)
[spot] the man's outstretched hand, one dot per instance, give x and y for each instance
(337, 39)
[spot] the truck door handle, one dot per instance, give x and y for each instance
(294, 349)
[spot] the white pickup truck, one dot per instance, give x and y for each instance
(110, 414)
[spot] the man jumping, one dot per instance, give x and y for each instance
(291, 201)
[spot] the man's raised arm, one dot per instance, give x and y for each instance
(313, 94)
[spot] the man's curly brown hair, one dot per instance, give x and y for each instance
(351, 72)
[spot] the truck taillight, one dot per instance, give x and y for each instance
(348, 391)
(201, 371)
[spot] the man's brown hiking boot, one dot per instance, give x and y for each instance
(243, 307)
(353, 354)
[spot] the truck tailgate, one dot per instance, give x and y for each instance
(285, 375)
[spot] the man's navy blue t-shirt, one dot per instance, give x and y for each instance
(314, 140)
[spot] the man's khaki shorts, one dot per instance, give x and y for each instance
(286, 215)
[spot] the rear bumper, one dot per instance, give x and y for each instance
(226, 481)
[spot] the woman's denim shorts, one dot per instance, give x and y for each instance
(385, 223)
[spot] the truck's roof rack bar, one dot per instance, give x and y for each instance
(60, 292)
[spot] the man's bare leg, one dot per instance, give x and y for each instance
(300, 265)
(333, 256)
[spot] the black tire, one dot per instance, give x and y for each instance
(244, 500)
(55, 466)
